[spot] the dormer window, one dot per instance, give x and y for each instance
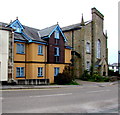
(56, 34)
(17, 28)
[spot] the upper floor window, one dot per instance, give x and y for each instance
(17, 28)
(56, 71)
(88, 47)
(56, 34)
(40, 50)
(20, 48)
(20, 72)
(40, 71)
(56, 41)
(98, 49)
(57, 51)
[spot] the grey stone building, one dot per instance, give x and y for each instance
(89, 44)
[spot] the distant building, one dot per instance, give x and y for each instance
(113, 67)
(89, 44)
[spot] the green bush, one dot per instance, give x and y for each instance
(66, 77)
(95, 77)
(85, 76)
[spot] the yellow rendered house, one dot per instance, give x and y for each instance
(39, 55)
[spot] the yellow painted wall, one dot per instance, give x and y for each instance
(50, 70)
(32, 71)
(32, 52)
(67, 56)
(18, 57)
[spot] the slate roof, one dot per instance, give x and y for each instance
(74, 26)
(45, 32)
(19, 36)
(32, 33)
(3, 24)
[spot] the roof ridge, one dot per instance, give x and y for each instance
(31, 27)
(48, 27)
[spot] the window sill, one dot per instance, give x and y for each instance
(40, 54)
(40, 76)
(20, 53)
(56, 38)
(57, 55)
(20, 76)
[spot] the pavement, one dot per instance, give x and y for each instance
(82, 83)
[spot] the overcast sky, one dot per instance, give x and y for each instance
(43, 13)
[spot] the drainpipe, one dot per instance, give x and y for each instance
(45, 65)
(72, 52)
(12, 55)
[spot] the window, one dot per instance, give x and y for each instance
(40, 50)
(17, 28)
(56, 41)
(20, 72)
(56, 58)
(56, 34)
(57, 51)
(88, 65)
(40, 71)
(20, 48)
(88, 47)
(98, 49)
(56, 71)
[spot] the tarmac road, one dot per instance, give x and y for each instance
(77, 99)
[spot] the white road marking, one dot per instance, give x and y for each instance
(24, 89)
(1, 98)
(98, 91)
(52, 95)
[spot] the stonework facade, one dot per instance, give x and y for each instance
(89, 41)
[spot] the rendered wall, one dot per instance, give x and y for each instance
(4, 43)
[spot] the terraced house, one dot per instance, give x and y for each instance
(38, 55)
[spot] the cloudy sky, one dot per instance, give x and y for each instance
(43, 13)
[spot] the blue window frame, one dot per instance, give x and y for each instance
(56, 71)
(40, 50)
(40, 71)
(20, 48)
(56, 34)
(17, 28)
(57, 51)
(20, 72)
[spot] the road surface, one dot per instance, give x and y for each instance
(78, 99)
